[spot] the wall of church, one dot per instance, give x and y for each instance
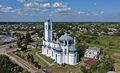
(72, 58)
(44, 50)
(58, 58)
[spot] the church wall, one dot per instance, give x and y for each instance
(66, 59)
(72, 58)
(59, 58)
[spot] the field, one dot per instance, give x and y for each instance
(109, 43)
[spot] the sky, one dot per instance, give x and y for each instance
(60, 10)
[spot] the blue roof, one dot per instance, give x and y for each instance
(72, 49)
(58, 49)
(65, 37)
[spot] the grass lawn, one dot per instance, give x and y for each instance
(32, 52)
(47, 58)
(38, 40)
(117, 67)
(66, 69)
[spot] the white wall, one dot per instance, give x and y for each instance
(72, 58)
(59, 58)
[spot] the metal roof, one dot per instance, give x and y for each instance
(72, 49)
(65, 37)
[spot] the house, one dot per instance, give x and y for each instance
(92, 52)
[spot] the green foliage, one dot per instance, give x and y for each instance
(7, 66)
(37, 65)
(84, 70)
(19, 44)
(28, 37)
(24, 47)
(25, 71)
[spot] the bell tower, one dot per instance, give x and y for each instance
(48, 30)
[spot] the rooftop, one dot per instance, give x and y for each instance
(65, 37)
(93, 48)
(90, 62)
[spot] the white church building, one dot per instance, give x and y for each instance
(63, 50)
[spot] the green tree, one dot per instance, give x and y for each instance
(28, 37)
(7, 66)
(84, 70)
(24, 47)
(19, 43)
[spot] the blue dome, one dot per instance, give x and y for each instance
(65, 37)
(72, 49)
(58, 48)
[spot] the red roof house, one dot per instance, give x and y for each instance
(90, 62)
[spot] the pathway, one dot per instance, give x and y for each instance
(44, 59)
(23, 63)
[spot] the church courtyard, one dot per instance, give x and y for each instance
(55, 68)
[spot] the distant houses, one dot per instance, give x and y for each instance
(7, 39)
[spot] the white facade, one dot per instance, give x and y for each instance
(92, 52)
(63, 50)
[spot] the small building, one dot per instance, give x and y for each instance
(92, 52)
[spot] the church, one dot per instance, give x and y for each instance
(63, 50)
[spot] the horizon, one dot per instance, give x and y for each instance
(59, 10)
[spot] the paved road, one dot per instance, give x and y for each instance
(4, 47)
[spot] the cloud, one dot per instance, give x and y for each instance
(6, 9)
(61, 8)
(58, 5)
(21, 1)
(80, 12)
(102, 12)
(46, 8)
(37, 5)
(95, 14)
(66, 9)
(0, 6)
(43, 7)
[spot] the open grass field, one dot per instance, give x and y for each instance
(110, 43)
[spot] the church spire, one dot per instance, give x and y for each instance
(48, 30)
